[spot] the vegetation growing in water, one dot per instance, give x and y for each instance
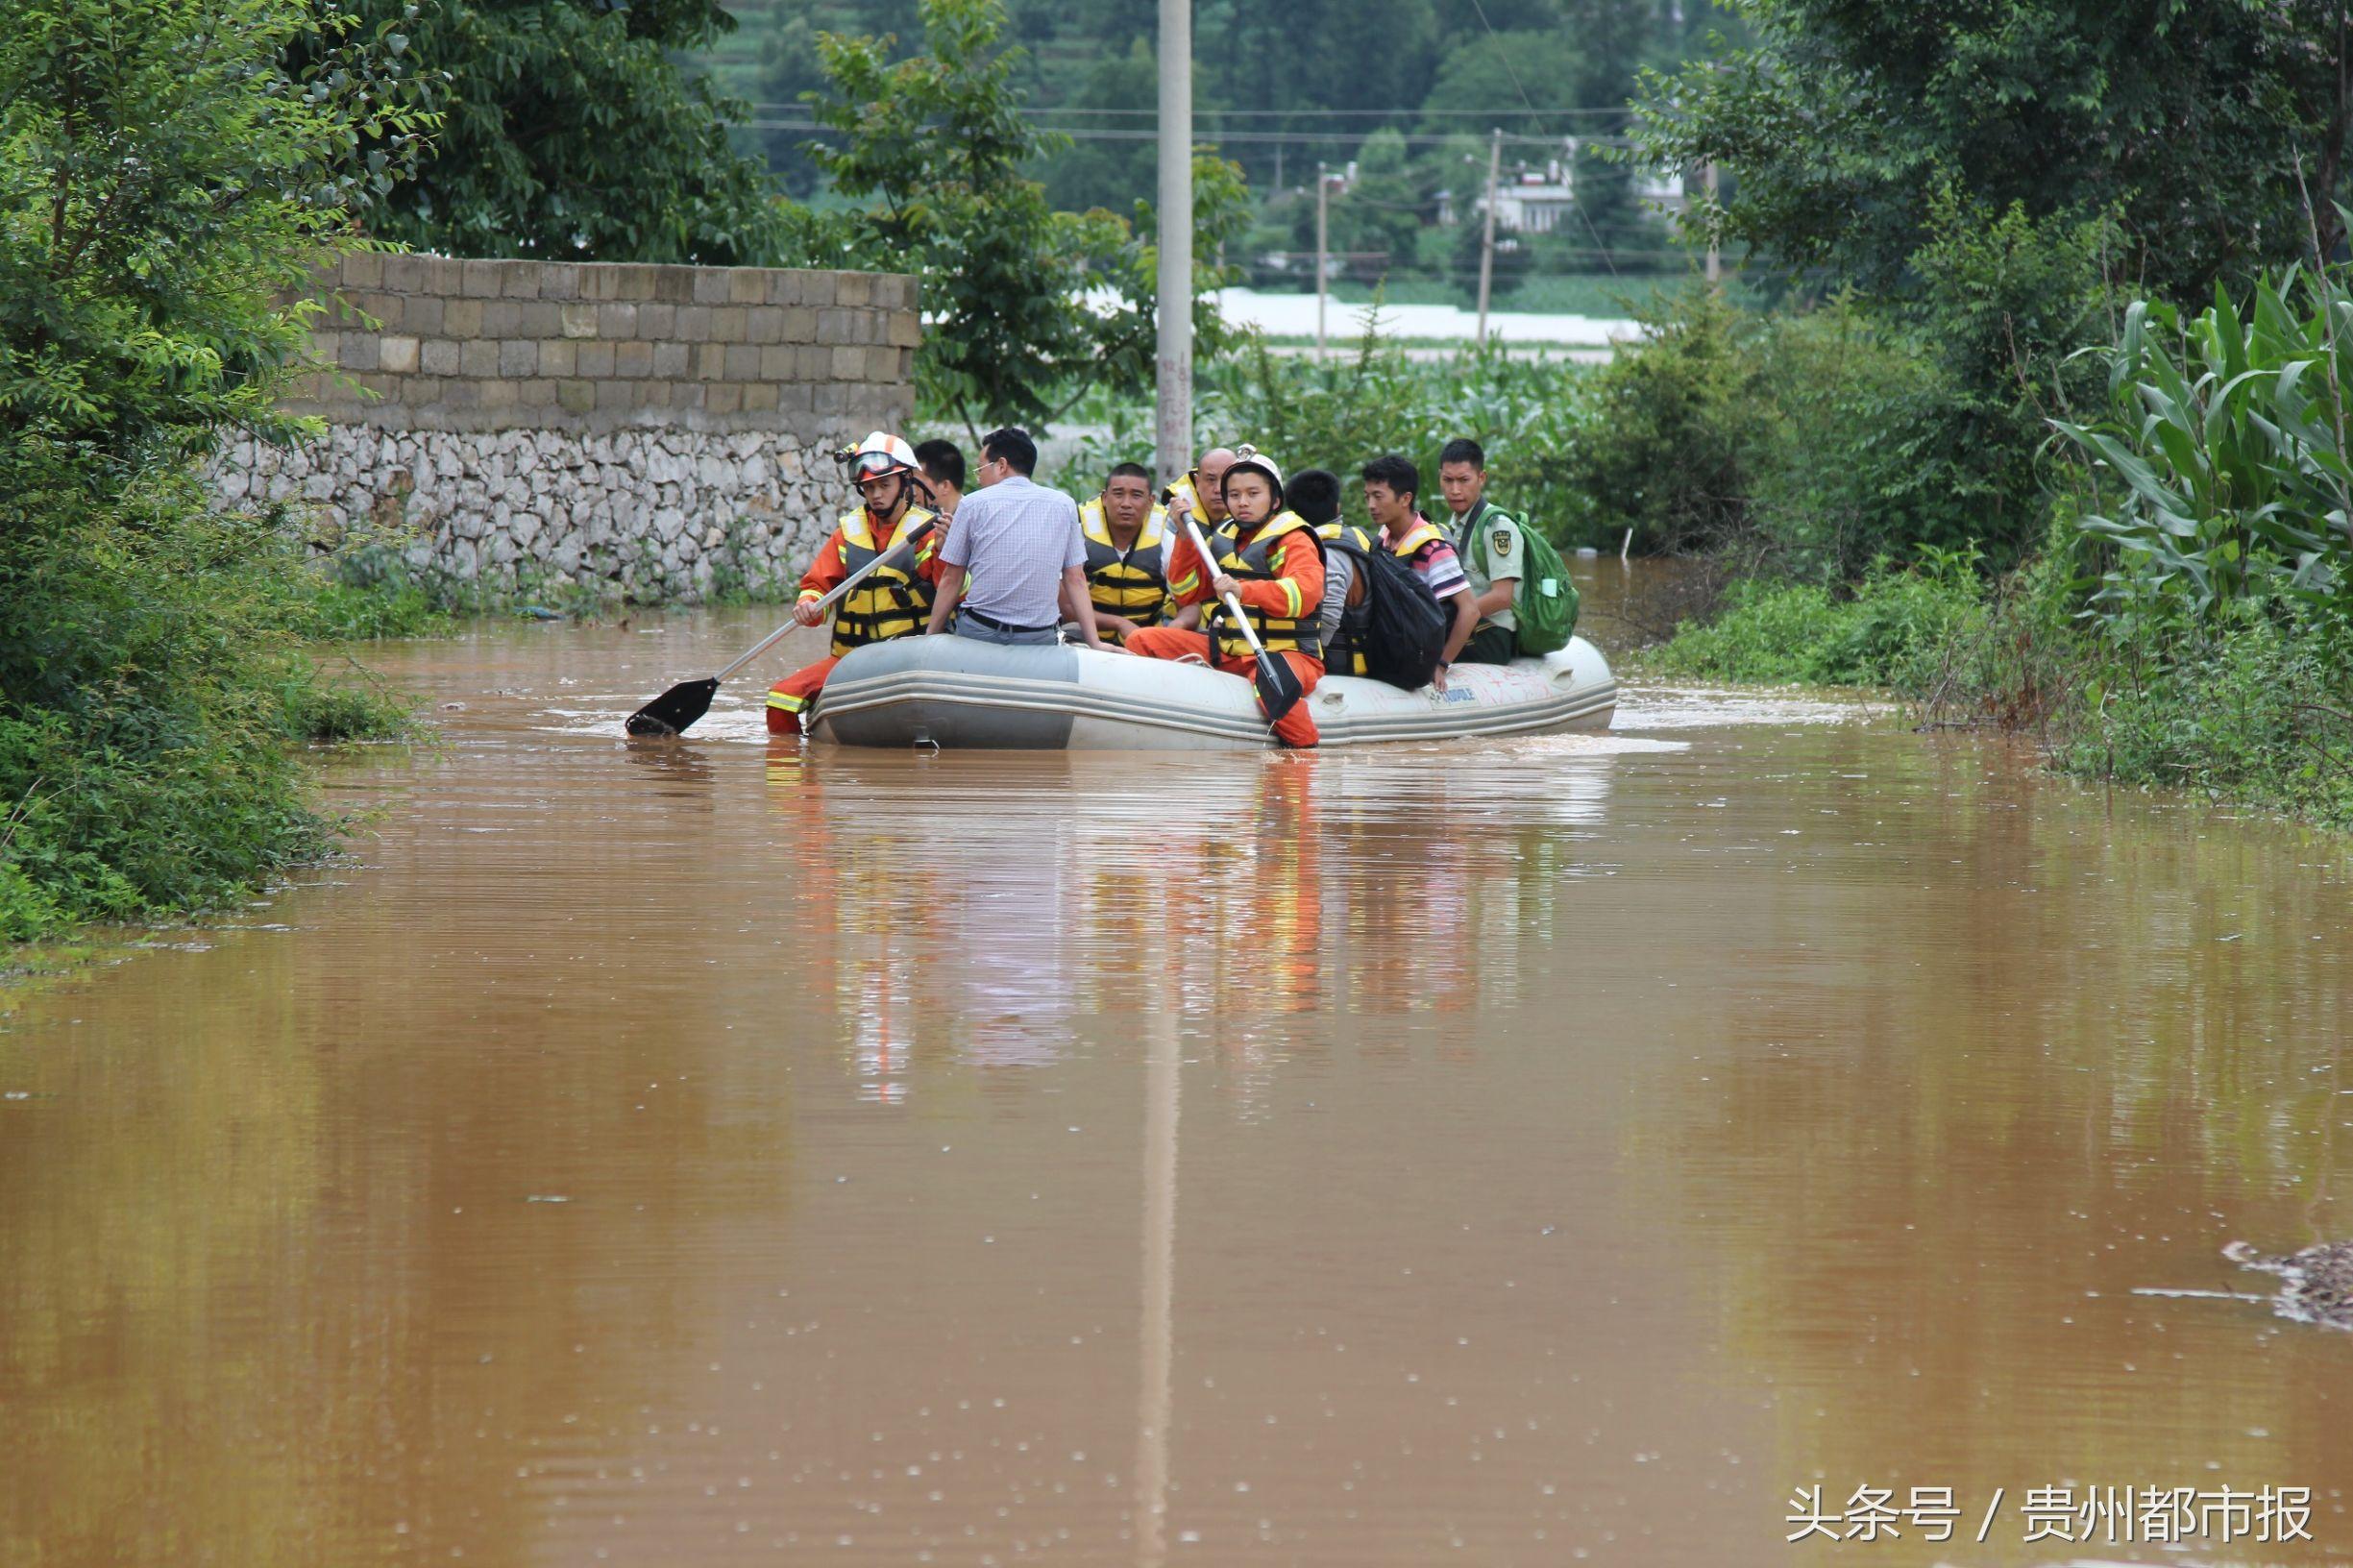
(171, 177)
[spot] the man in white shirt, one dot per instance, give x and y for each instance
(1013, 567)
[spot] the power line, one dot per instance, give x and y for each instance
(1297, 114)
(1290, 139)
(1506, 55)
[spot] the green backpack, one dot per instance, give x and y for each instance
(1545, 607)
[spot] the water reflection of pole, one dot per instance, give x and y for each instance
(1156, 1397)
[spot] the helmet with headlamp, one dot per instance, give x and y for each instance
(878, 457)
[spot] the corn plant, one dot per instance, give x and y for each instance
(2220, 470)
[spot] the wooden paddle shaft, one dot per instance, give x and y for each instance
(856, 577)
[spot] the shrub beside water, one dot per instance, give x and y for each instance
(2255, 705)
(1895, 630)
(158, 685)
(180, 168)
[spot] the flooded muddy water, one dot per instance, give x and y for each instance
(1565, 1150)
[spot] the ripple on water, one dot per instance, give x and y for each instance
(1546, 1151)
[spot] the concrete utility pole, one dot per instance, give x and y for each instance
(1173, 426)
(1323, 189)
(1715, 257)
(1487, 246)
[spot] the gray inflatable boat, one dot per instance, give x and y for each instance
(956, 693)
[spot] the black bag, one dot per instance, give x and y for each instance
(1400, 627)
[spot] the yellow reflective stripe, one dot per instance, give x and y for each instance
(790, 705)
(1293, 602)
(1187, 583)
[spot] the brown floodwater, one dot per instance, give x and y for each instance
(1553, 1151)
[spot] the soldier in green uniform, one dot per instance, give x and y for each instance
(1488, 539)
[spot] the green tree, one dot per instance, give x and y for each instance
(571, 131)
(1109, 173)
(163, 190)
(1310, 54)
(1379, 217)
(2198, 126)
(790, 69)
(168, 179)
(932, 151)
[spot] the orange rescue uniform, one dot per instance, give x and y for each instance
(1282, 597)
(889, 605)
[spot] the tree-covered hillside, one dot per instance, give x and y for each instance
(1408, 91)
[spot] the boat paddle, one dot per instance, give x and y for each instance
(1277, 684)
(669, 713)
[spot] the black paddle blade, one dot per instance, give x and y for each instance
(1278, 687)
(674, 710)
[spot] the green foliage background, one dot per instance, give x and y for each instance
(1406, 89)
(172, 171)
(569, 130)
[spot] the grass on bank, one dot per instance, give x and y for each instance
(2253, 705)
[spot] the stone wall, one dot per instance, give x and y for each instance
(656, 431)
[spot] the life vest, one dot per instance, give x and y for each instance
(1341, 618)
(1298, 632)
(1418, 538)
(1189, 485)
(1132, 583)
(896, 602)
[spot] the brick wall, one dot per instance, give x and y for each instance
(521, 421)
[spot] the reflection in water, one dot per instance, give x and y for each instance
(716, 1155)
(1156, 1395)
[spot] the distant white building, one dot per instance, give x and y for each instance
(1537, 201)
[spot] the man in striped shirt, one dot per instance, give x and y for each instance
(1391, 486)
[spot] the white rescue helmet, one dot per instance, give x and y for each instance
(879, 456)
(1247, 458)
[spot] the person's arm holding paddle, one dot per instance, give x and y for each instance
(1296, 588)
(825, 574)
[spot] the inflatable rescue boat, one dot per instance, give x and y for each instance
(956, 693)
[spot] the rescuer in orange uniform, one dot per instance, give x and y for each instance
(1272, 562)
(895, 601)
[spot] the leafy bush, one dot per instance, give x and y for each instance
(1894, 630)
(1805, 444)
(156, 681)
(1676, 424)
(2253, 703)
(173, 171)
(2220, 467)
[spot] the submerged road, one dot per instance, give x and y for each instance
(1549, 1152)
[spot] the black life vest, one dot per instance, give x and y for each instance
(896, 602)
(1132, 583)
(1298, 629)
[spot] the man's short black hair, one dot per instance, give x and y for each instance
(1129, 471)
(1403, 479)
(1463, 450)
(941, 461)
(1315, 494)
(1011, 446)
